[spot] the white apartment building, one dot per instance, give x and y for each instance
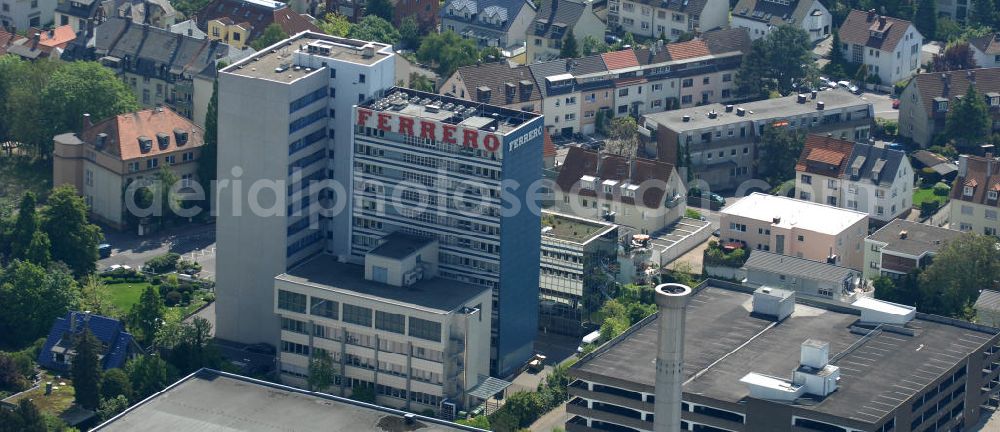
(417, 341)
(890, 47)
(856, 176)
(976, 195)
(22, 14)
(285, 122)
(760, 17)
(803, 229)
(651, 19)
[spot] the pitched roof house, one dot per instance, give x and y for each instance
(495, 23)
(926, 100)
(986, 50)
(239, 22)
(117, 345)
(890, 47)
(976, 195)
(554, 22)
(760, 17)
(40, 43)
(669, 18)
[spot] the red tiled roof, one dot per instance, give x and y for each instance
(824, 155)
(687, 50)
(124, 131)
(857, 28)
(620, 59)
(5, 39)
(548, 148)
(978, 170)
(57, 37)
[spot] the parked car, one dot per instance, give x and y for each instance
(104, 250)
(715, 201)
(855, 89)
(895, 104)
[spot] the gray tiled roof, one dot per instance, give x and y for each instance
(988, 300)
(872, 155)
(580, 66)
(555, 14)
(495, 76)
(507, 8)
(775, 14)
(150, 48)
(796, 267)
(920, 238)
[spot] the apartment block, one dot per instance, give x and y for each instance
(106, 157)
(889, 47)
(787, 226)
(494, 23)
(286, 124)
(902, 246)
(571, 248)
(720, 140)
(670, 19)
(761, 17)
(926, 101)
(856, 176)
(871, 366)
(974, 195)
(460, 173)
(806, 278)
(23, 14)
(417, 341)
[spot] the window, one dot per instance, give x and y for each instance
(967, 191)
(967, 210)
(361, 78)
(133, 166)
(991, 195)
(686, 99)
(236, 36)
(293, 325)
(727, 77)
(623, 92)
(801, 238)
(424, 329)
(152, 163)
(687, 82)
(291, 301)
(361, 316)
(991, 214)
(170, 160)
(390, 322)
(806, 179)
(294, 348)
(706, 80)
(322, 307)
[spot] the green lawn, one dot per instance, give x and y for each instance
(124, 295)
(927, 194)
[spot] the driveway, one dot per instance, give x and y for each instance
(882, 104)
(194, 242)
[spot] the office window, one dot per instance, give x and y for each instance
(425, 329)
(291, 301)
(361, 78)
(361, 316)
(322, 307)
(687, 82)
(395, 323)
(152, 163)
(293, 325)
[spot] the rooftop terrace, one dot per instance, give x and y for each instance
(286, 61)
(574, 229)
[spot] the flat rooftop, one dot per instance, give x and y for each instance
(573, 229)
(281, 62)
(919, 238)
(212, 401)
(884, 371)
(446, 109)
(435, 295)
(767, 109)
(795, 213)
(398, 246)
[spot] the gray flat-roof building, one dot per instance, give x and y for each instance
(931, 373)
(813, 279)
(903, 246)
(213, 401)
(721, 139)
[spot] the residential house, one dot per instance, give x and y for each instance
(988, 308)
(902, 246)
(974, 195)
(21, 14)
(792, 227)
(117, 344)
(670, 19)
(497, 83)
(240, 22)
(157, 13)
(555, 21)
(106, 158)
(644, 194)
(889, 47)
(561, 82)
(856, 176)
(83, 15)
(760, 17)
(720, 140)
(924, 104)
(986, 50)
(808, 278)
(42, 43)
(549, 152)
(188, 28)
(163, 68)
(491, 23)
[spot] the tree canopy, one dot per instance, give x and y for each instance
(409, 33)
(569, 49)
(447, 52)
(962, 268)
(775, 62)
(86, 370)
(375, 28)
(33, 297)
(780, 147)
(321, 372)
(74, 239)
(925, 18)
(272, 34)
(334, 24)
(956, 56)
(146, 315)
(379, 8)
(968, 121)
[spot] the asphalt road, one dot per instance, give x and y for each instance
(883, 106)
(194, 242)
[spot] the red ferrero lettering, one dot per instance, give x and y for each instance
(363, 116)
(383, 121)
(427, 130)
(470, 138)
(491, 143)
(448, 134)
(406, 125)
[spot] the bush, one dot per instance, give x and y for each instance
(123, 275)
(172, 298)
(692, 214)
(942, 189)
(714, 255)
(928, 176)
(209, 297)
(928, 207)
(156, 280)
(163, 264)
(900, 86)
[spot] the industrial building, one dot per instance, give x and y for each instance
(760, 360)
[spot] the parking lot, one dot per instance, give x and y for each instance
(193, 242)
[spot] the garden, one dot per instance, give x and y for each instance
(181, 295)
(931, 193)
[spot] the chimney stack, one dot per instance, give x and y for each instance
(86, 121)
(871, 15)
(672, 299)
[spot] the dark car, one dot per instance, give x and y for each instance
(104, 250)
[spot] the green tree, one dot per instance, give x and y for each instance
(74, 239)
(272, 34)
(146, 315)
(480, 421)
(25, 105)
(380, 8)
(409, 33)
(968, 120)
(111, 407)
(189, 7)
(592, 45)
(781, 148)
(363, 393)
(78, 88)
(38, 250)
(188, 345)
(86, 370)
(421, 82)
(925, 18)
(207, 169)
(861, 76)
(962, 268)
(948, 30)
(24, 418)
(751, 78)
(24, 226)
(623, 136)
(12, 70)
(11, 378)
(32, 298)
(334, 24)
(321, 372)
(115, 383)
(985, 13)
(775, 62)
(375, 28)
(629, 40)
(570, 48)
(447, 51)
(148, 374)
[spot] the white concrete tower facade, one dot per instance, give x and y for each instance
(672, 300)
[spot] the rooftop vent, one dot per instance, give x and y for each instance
(162, 140)
(774, 303)
(686, 118)
(802, 98)
(180, 136)
(431, 108)
(729, 108)
(820, 105)
(776, 220)
(368, 51)
(741, 112)
(902, 234)
(712, 114)
(812, 94)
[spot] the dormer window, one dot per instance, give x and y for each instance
(587, 182)
(968, 191)
(992, 195)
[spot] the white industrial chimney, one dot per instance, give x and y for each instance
(672, 300)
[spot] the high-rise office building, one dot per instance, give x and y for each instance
(285, 122)
(462, 173)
